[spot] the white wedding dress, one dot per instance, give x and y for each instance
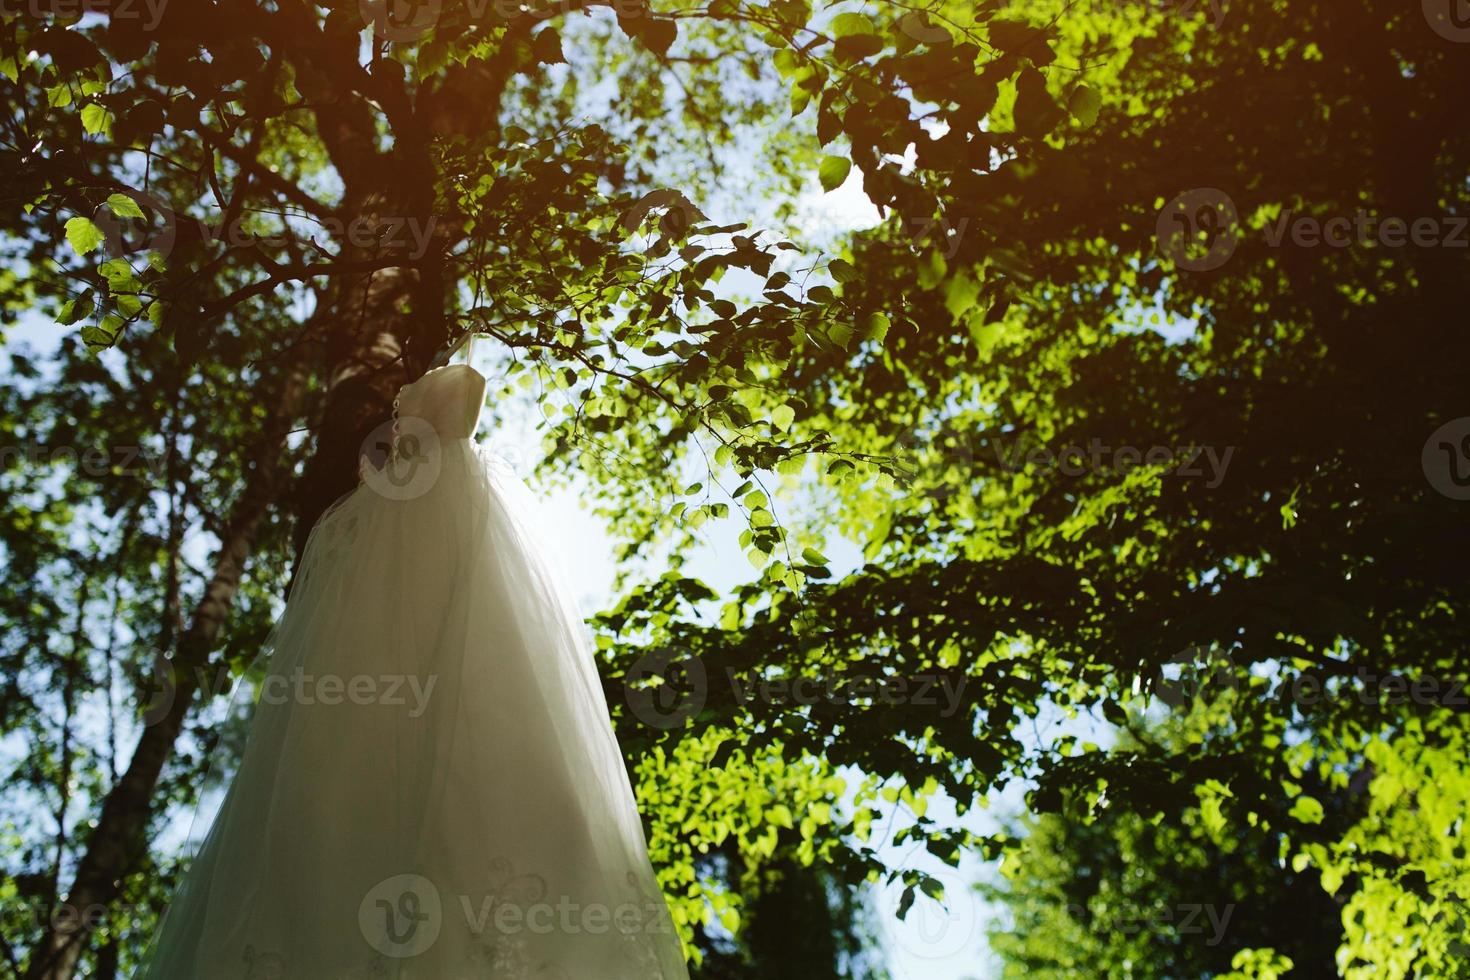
(431, 789)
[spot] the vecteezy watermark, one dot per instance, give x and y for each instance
(401, 916)
(1165, 921)
(939, 231)
(19, 916)
(944, 462)
(1365, 228)
(1177, 8)
(1209, 463)
(149, 11)
(941, 691)
(134, 221)
(1445, 459)
(402, 458)
(1200, 229)
(404, 915)
(666, 687)
(1450, 19)
(1216, 9)
(1197, 673)
(1204, 672)
(409, 236)
(1369, 688)
(934, 915)
(160, 689)
(329, 689)
(406, 21)
(91, 461)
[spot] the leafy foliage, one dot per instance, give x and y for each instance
(251, 220)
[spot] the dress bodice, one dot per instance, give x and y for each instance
(448, 398)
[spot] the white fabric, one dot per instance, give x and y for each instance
(477, 821)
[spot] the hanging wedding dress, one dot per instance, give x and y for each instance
(431, 789)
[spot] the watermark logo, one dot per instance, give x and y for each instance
(1367, 229)
(940, 919)
(19, 915)
(158, 691)
(401, 459)
(943, 692)
(939, 465)
(1446, 459)
(400, 21)
(1207, 463)
(666, 687)
(1213, 11)
(1198, 230)
(1174, 923)
(1370, 689)
(1196, 674)
(1450, 19)
(401, 916)
(361, 690)
(148, 11)
(90, 461)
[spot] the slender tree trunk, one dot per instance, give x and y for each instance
(378, 332)
(120, 834)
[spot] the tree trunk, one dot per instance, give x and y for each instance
(120, 834)
(377, 333)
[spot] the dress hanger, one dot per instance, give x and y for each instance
(447, 352)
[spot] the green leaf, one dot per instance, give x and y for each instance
(1084, 104)
(124, 206)
(842, 270)
(877, 327)
(960, 293)
(782, 417)
(95, 118)
(850, 25)
(905, 902)
(83, 235)
(1036, 113)
(76, 309)
(1307, 810)
(833, 172)
(69, 50)
(659, 34)
(933, 270)
(1016, 36)
(546, 47)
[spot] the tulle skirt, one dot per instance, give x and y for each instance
(431, 789)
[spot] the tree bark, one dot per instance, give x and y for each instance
(120, 836)
(377, 331)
